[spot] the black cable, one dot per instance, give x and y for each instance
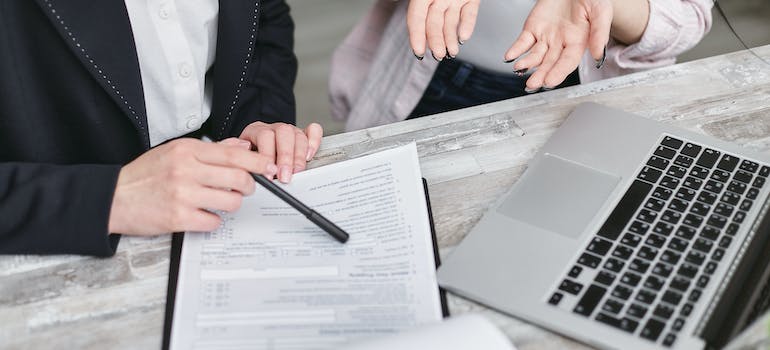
(732, 29)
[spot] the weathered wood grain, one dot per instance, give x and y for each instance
(469, 157)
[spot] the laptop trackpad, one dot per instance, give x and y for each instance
(558, 195)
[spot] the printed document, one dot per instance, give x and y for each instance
(270, 279)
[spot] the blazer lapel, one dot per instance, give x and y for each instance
(237, 32)
(99, 33)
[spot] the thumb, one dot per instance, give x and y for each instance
(600, 21)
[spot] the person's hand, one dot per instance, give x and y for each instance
(172, 187)
(445, 24)
(556, 34)
(286, 145)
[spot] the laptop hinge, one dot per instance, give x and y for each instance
(742, 294)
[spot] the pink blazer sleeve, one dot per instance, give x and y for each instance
(674, 27)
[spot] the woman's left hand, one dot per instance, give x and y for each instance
(444, 24)
(554, 37)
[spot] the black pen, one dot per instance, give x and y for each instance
(310, 214)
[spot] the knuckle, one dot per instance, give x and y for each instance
(284, 128)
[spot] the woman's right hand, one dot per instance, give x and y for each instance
(443, 24)
(172, 187)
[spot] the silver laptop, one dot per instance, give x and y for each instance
(625, 233)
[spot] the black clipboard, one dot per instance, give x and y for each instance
(176, 255)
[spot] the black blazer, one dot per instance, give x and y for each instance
(72, 109)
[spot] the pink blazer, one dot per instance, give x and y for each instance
(375, 79)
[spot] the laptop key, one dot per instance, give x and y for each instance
(699, 172)
(672, 297)
(695, 257)
(614, 265)
(662, 193)
(676, 171)
(683, 161)
(639, 227)
(677, 325)
(679, 283)
(622, 252)
(707, 197)
(687, 270)
(759, 182)
(731, 198)
(599, 246)
(637, 311)
(671, 217)
(605, 277)
(670, 257)
(571, 287)
(669, 141)
(724, 209)
(739, 216)
(710, 268)
(727, 163)
(652, 329)
(749, 166)
(725, 242)
(655, 204)
(655, 240)
(693, 220)
(708, 158)
(631, 239)
(764, 171)
(612, 306)
(589, 260)
(717, 221)
(746, 204)
(663, 311)
(692, 182)
(686, 310)
(630, 279)
(590, 299)
(647, 253)
(703, 281)
(663, 228)
(685, 232)
(695, 295)
(650, 174)
(625, 209)
(575, 271)
(654, 283)
(718, 254)
(752, 193)
(662, 270)
(685, 194)
(678, 205)
(645, 297)
(713, 186)
(703, 245)
(669, 340)
(665, 152)
(658, 162)
(678, 244)
(736, 187)
(555, 298)
(700, 208)
(621, 292)
(624, 324)
(743, 177)
(691, 150)
(720, 175)
(639, 265)
(732, 229)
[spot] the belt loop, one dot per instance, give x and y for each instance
(462, 74)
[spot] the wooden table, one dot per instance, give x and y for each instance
(469, 158)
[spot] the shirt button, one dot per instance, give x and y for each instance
(192, 122)
(185, 70)
(164, 12)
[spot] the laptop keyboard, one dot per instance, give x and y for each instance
(646, 268)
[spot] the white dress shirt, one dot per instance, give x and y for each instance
(176, 45)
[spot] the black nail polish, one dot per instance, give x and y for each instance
(419, 58)
(521, 72)
(435, 58)
(449, 56)
(461, 42)
(600, 63)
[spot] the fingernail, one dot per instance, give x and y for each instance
(521, 72)
(271, 170)
(436, 58)
(419, 58)
(285, 175)
(546, 88)
(310, 154)
(531, 91)
(461, 42)
(511, 60)
(449, 56)
(600, 63)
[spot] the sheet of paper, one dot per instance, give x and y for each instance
(270, 279)
(463, 332)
